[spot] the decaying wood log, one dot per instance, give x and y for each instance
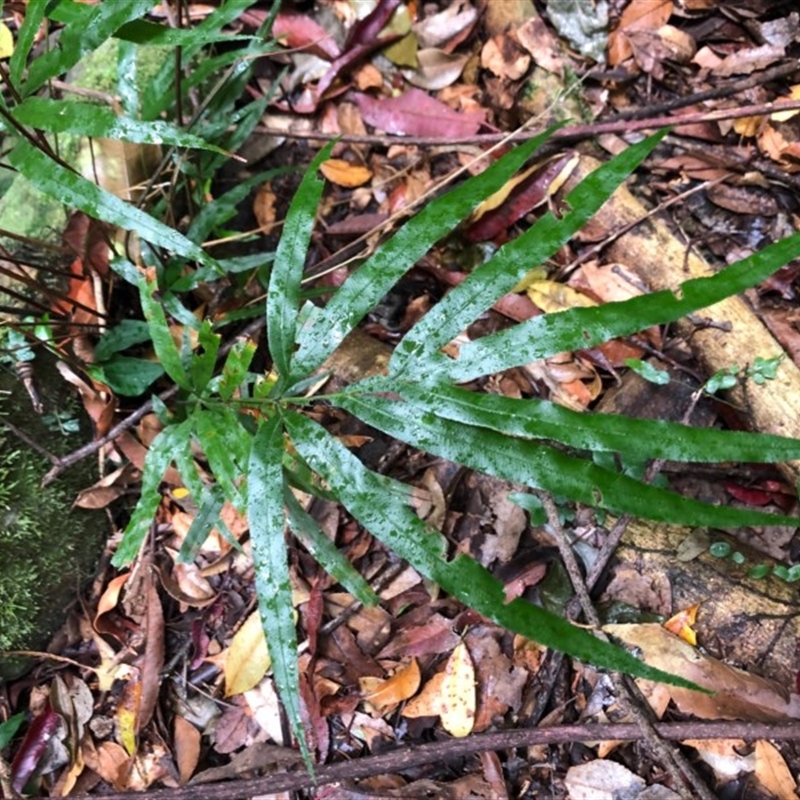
(663, 262)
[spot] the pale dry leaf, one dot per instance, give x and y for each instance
(728, 758)
(263, 702)
(602, 780)
(436, 69)
(458, 693)
(552, 296)
(437, 30)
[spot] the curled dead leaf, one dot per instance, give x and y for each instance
(383, 695)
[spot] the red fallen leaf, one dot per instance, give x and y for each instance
(514, 306)
(530, 193)
(783, 282)
(366, 30)
(416, 113)
(88, 240)
(33, 746)
(300, 32)
(755, 496)
(363, 39)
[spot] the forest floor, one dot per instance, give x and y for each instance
(414, 92)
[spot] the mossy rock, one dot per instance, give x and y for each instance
(47, 549)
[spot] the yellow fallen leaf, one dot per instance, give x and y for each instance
(6, 41)
(458, 693)
(247, 659)
(552, 296)
(681, 624)
(343, 173)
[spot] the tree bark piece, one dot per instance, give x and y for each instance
(664, 262)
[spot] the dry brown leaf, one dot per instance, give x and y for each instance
(681, 624)
(109, 761)
(111, 595)
(638, 15)
(542, 44)
(247, 659)
(186, 746)
(747, 126)
(747, 60)
(737, 694)
(610, 282)
(264, 206)
(343, 173)
(186, 584)
(383, 695)
(503, 58)
(366, 77)
(97, 492)
(773, 773)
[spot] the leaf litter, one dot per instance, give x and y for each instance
(384, 675)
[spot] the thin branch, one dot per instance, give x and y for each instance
(417, 755)
(567, 134)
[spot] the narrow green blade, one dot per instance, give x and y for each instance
(585, 327)
(85, 119)
(166, 350)
(34, 14)
(75, 191)
(80, 36)
(265, 512)
(325, 552)
(159, 457)
(283, 297)
(540, 466)
(640, 439)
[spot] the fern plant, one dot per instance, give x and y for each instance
(420, 402)
(257, 458)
